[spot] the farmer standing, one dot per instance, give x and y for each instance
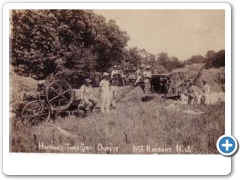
(206, 92)
(147, 74)
(116, 76)
(104, 89)
(87, 95)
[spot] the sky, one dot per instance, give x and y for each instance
(180, 33)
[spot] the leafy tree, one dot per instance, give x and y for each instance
(169, 63)
(175, 63)
(146, 57)
(215, 59)
(79, 43)
(110, 46)
(210, 54)
(34, 41)
(132, 60)
(67, 42)
(195, 59)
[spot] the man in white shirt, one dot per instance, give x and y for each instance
(104, 89)
(116, 79)
(147, 74)
(86, 94)
(206, 92)
(139, 74)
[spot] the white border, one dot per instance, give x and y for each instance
(69, 164)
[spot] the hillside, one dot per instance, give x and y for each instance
(213, 76)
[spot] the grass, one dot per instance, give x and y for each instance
(133, 124)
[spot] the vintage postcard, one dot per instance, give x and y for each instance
(119, 81)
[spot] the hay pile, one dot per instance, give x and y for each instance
(190, 71)
(213, 77)
(129, 94)
(159, 69)
(18, 86)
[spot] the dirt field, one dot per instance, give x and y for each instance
(135, 127)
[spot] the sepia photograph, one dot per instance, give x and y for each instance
(116, 81)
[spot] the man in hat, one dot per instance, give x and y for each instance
(104, 89)
(117, 74)
(206, 92)
(147, 74)
(116, 80)
(189, 92)
(139, 74)
(87, 95)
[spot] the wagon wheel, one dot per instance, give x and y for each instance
(59, 95)
(35, 112)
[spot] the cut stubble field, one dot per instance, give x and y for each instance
(159, 127)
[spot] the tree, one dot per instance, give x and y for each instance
(132, 59)
(196, 59)
(67, 42)
(110, 45)
(215, 59)
(162, 57)
(146, 57)
(210, 54)
(175, 63)
(169, 63)
(34, 41)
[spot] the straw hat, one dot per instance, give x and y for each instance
(88, 80)
(105, 74)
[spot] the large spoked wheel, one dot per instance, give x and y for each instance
(35, 112)
(59, 95)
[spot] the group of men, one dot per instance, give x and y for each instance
(195, 94)
(108, 88)
(89, 101)
(110, 81)
(144, 74)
